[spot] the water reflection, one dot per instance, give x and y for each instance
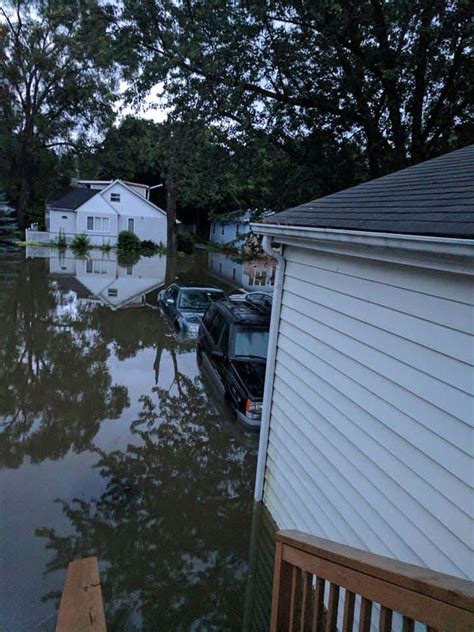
(250, 275)
(100, 277)
(172, 527)
(55, 386)
(104, 408)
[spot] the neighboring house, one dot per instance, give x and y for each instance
(232, 228)
(367, 434)
(102, 210)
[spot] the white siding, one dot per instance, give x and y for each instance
(97, 207)
(149, 221)
(371, 425)
(62, 222)
(223, 233)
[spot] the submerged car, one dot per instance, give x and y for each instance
(232, 349)
(263, 298)
(184, 305)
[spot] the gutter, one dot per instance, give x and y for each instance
(270, 368)
(444, 253)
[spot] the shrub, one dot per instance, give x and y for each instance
(185, 243)
(81, 243)
(62, 241)
(128, 241)
(148, 248)
(107, 247)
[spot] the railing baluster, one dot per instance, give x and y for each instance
(333, 604)
(365, 615)
(307, 586)
(281, 591)
(295, 573)
(318, 606)
(385, 620)
(349, 603)
(408, 624)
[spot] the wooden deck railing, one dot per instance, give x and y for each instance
(322, 586)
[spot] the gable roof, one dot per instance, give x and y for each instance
(140, 197)
(433, 198)
(72, 200)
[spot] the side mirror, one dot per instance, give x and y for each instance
(218, 354)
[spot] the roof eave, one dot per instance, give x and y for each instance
(447, 253)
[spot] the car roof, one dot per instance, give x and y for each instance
(196, 286)
(243, 313)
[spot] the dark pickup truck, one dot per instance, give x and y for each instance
(232, 348)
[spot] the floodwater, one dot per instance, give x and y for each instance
(113, 444)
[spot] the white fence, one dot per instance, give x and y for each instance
(44, 237)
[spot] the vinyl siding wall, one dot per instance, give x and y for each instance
(370, 438)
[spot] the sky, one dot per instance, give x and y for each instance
(149, 108)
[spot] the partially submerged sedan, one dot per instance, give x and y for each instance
(184, 305)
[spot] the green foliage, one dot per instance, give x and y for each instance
(80, 244)
(128, 242)
(106, 247)
(393, 78)
(148, 248)
(185, 243)
(56, 93)
(61, 242)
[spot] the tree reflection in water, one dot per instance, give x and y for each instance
(172, 528)
(55, 387)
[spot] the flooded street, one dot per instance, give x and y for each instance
(113, 444)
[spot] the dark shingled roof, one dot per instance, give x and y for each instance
(73, 199)
(435, 197)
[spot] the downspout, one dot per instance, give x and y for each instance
(270, 369)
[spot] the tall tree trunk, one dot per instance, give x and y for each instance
(23, 191)
(171, 208)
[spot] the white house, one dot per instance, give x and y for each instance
(367, 434)
(102, 210)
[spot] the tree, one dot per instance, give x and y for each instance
(393, 75)
(56, 85)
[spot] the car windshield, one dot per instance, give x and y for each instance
(250, 342)
(198, 300)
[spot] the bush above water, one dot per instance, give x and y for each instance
(81, 243)
(128, 241)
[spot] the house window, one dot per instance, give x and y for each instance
(113, 292)
(233, 274)
(96, 266)
(115, 197)
(214, 229)
(131, 224)
(98, 224)
(64, 217)
(222, 229)
(129, 269)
